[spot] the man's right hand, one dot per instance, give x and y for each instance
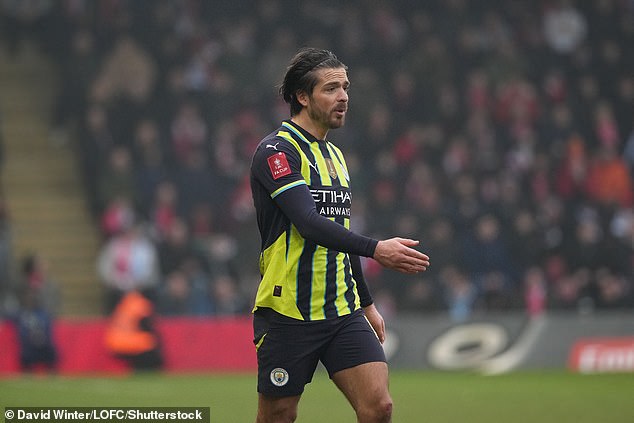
(398, 254)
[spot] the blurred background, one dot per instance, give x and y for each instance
(500, 134)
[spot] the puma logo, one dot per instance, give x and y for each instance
(314, 166)
(274, 147)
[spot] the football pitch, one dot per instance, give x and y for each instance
(419, 397)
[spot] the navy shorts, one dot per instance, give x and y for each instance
(289, 350)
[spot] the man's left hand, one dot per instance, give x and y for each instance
(376, 321)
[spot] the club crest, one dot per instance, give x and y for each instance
(279, 376)
(332, 170)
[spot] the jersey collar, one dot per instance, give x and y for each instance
(299, 131)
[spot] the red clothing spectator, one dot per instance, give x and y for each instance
(609, 180)
(572, 172)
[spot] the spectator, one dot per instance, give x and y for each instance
(535, 291)
(440, 242)
(95, 143)
(175, 297)
(564, 27)
(79, 69)
(151, 164)
(535, 145)
(609, 181)
(132, 335)
(227, 298)
(613, 291)
(188, 132)
(196, 182)
(586, 248)
(526, 243)
(486, 258)
(127, 70)
(128, 262)
(118, 215)
(38, 284)
(460, 294)
(176, 247)
(572, 172)
(117, 179)
(35, 327)
(164, 210)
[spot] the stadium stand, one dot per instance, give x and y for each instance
(500, 134)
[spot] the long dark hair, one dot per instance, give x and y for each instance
(300, 74)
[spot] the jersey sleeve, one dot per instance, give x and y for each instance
(277, 166)
(362, 286)
(298, 205)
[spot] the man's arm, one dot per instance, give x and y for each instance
(298, 205)
(371, 313)
(362, 287)
(395, 253)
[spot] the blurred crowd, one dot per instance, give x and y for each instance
(500, 134)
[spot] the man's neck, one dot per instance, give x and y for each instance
(303, 120)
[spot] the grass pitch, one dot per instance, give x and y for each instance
(419, 397)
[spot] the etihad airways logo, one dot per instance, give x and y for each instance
(331, 196)
(332, 203)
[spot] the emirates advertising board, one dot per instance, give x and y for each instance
(600, 355)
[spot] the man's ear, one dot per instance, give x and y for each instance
(302, 97)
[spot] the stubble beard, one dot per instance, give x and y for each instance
(326, 118)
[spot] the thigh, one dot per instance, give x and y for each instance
(353, 343)
(365, 385)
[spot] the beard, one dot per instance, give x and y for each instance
(327, 118)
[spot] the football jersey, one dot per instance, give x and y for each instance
(301, 279)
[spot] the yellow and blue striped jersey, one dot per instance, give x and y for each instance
(300, 278)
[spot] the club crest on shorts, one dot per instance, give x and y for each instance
(279, 376)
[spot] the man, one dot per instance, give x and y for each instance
(132, 335)
(312, 303)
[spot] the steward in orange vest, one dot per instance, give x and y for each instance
(131, 334)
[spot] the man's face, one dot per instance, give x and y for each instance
(328, 103)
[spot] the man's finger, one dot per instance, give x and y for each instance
(408, 242)
(415, 253)
(414, 261)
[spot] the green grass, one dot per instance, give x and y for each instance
(535, 397)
